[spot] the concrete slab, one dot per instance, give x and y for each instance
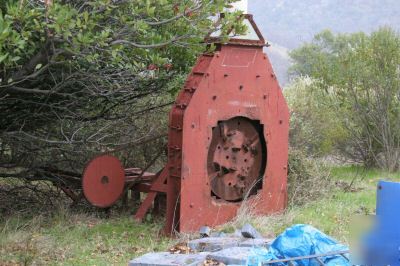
(168, 259)
(234, 255)
(237, 233)
(219, 234)
(212, 244)
(256, 242)
(249, 231)
(205, 231)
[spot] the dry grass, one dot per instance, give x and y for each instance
(62, 236)
(308, 179)
(334, 211)
(68, 238)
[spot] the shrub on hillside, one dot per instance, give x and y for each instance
(359, 74)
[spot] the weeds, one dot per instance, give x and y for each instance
(308, 179)
(65, 236)
(68, 238)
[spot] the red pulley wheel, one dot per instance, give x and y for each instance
(103, 181)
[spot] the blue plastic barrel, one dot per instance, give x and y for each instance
(388, 206)
(382, 245)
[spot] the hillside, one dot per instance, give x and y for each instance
(287, 24)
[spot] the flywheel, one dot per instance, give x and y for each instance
(103, 181)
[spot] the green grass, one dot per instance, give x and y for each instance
(361, 174)
(73, 239)
(66, 238)
(338, 212)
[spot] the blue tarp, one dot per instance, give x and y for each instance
(300, 240)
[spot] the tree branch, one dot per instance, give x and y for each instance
(162, 22)
(150, 46)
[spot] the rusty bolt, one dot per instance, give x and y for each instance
(225, 75)
(214, 97)
(240, 87)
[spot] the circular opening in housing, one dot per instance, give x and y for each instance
(241, 139)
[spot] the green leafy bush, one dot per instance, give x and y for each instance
(316, 126)
(82, 77)
(358, 76)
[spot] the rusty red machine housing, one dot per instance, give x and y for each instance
(227, 144)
